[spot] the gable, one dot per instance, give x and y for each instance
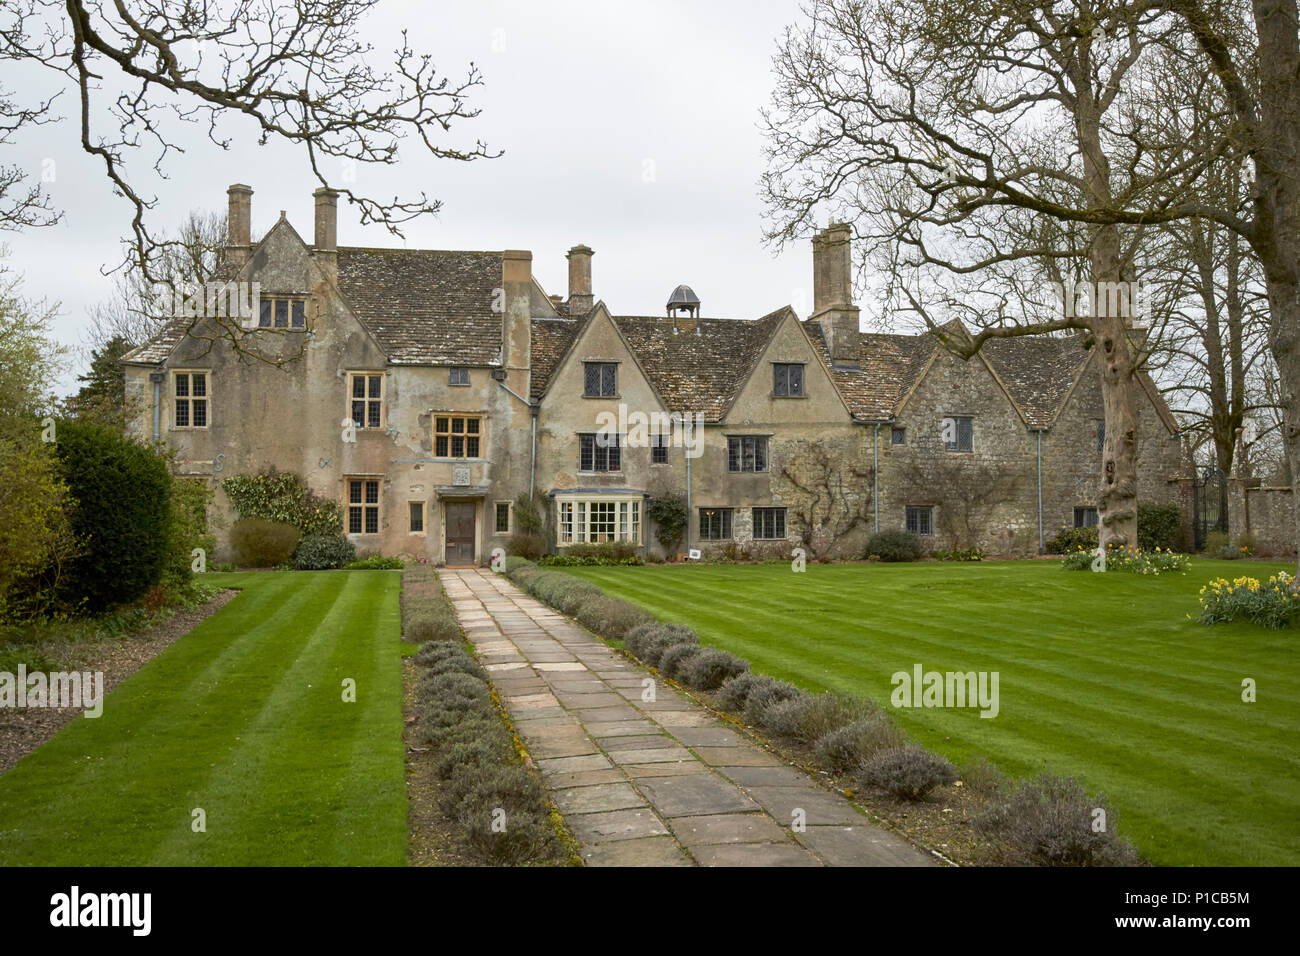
(598, 339)
(755, 400)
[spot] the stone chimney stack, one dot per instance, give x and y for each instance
(517, 318)
(239, 224)
(327, 231)
(580, 297)
(833, 307)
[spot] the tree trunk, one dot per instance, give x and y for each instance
(1117, 514)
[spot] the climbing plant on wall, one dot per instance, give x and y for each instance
(283, 496)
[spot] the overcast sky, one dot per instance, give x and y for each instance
(633, 130)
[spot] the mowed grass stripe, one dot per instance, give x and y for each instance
(1101, 676)
(124, 776)
(213, 713)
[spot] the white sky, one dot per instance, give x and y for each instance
(583, 97)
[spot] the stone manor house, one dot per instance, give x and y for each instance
(424, 390)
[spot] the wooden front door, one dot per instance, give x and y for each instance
(460, 532)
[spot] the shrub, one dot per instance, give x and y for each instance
(436, 622)
(375, 563)
(733, 693)
(764, 695)
(474, 752)
(1133, 560)
(187, 529)
(517, 563)
(259, 543)
(583, 561)
(472, 797)
(435, 651)
(1273, 605)
(462, 663)
(984, 778)
(636, 639)
(319, 552)
(813, 716)
(664, 637)
(1069, 540)
(675, 658)
(961, 554)
(1217, 542)
(121, 517)
(668, 512)
(1247, 544)
(528, 546)
(610, 616)
(1049, 820)
(908, 773)
(562, 591)
(848, 747)
(528, 519)
(606, 552)
(1159, 526)
(894, 546)
(284, 497)
(708, 669)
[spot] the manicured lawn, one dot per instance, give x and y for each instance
(244, 718)
(1101, 676)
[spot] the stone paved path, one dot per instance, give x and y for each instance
(661, 783)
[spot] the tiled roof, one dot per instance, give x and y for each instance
(156, 350)
(1038, 372)
(426, 307)
(890, 366)
(698, 373)
(550, 338)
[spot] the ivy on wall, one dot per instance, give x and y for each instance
(283, 496)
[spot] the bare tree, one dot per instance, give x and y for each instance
(985, 148)
(295, 71)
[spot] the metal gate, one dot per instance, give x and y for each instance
(1211, 504)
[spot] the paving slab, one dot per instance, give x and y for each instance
(820, 808)
(754, 854)
(747, 756)
(643, 851)
(727, 828)
(615, 825)
(862, 846)
(695, 795)
(600, 797)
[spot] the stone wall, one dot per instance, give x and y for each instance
(1269, 516)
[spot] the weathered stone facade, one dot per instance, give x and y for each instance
(796, 419)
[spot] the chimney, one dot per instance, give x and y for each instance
(238, 224)
(833, 307)
(517, 318)
(327, 231)
(580, 297)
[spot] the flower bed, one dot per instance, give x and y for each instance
(1273, 604)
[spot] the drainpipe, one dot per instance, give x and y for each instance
(686, 446)
(532, 461)
(875, 477)
(157, 378)
(1040, 491)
